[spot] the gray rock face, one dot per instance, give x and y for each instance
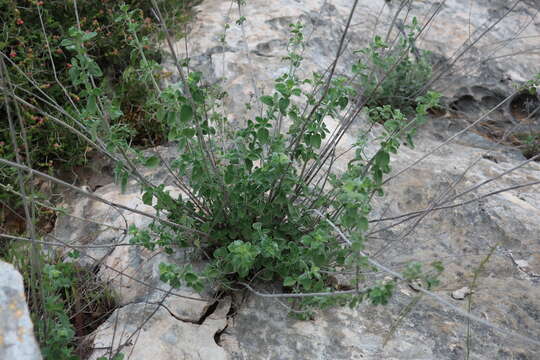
(507, 291)
(16, 330)
(484, 68)
(460, 237)
(252, 55)
(150, 331)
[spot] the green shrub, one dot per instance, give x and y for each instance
(385, 83)
(529, 144)
(261, 201)
(251, 195)
(39, 70)
(66, 301)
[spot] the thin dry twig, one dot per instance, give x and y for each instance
(99, 198)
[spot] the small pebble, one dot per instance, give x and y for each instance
(460, 294)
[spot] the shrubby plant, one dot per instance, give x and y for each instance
(40, 65)
(251, 192)
(394, 73)
(71, 302)
(41, 68)
(529, 142)
(260, 200)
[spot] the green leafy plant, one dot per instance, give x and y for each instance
(41, 69)
(260, 196)
(395, 73)
(70, 302)
(529, 144)
(260, 201)
(252, 191)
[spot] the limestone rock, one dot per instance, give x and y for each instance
(461, 293)
(251, 56)
(17, 339)
(150, 331)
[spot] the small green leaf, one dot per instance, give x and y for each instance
(343, 102)
(363, 223)
(188, 132)
(253, 156)
(267, 100)
(75, 254)
(282, 88)
(186, 113)
(382, 159)
(147, 198)
(283, 104)
(115, 112)
(88, 36)
(315, 141)
(170, 117)
(191, 277)
(263, 135)
(198, 97)
(289, 281)
(151, 161)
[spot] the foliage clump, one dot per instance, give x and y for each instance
(263, 200)
(41, 68)
(260, 201)
(44, 48)
(394, 73)
(66, 303)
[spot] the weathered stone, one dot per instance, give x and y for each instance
(461, 238)
(253, 54)
(132, 272)
(16, 330)
(150, 331)
(479, 78)
(461, 293)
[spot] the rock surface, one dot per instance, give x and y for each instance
(16, 330)
(150, 331)
(507, 290)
